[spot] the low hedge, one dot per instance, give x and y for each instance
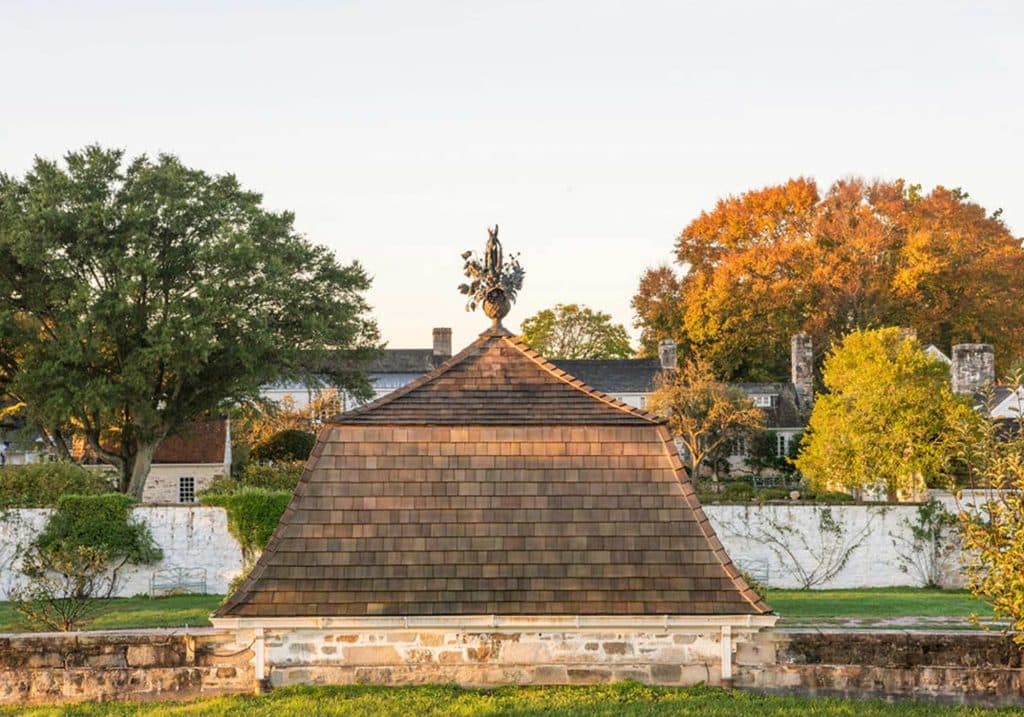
(40, 485)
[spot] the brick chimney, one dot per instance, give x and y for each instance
(442, 342)
(973, 368)
(667, 354)
(801, 366)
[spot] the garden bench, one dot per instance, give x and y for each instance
(757, 569)
(170, 581)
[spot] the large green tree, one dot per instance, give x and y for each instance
(888, 418)
(571, 331)
(764, 265)
(137, 295)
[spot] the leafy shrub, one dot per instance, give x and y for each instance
(103, 522)
(289, 445)
(75, 560)
(277, 476)
(39, 485)
(253, 514)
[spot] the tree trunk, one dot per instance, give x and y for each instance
(140, 464)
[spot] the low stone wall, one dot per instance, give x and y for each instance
(977, 668)
(127, 665)
(485, 659)
(965, 667)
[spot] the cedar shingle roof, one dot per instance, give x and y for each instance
(496, 380)
(495, 485)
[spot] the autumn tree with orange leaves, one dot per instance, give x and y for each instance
(769, 263)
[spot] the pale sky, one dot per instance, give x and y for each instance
(592, 132)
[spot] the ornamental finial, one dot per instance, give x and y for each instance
(493, 282)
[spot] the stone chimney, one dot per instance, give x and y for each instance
(667, 354)
(443, 342)
(973, 368)
(801, 366)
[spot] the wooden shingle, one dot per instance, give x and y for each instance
(496, 484)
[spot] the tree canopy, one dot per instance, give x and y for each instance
(704, 415)
(136, 295)
(888, 418)
(572, 331)
(773, 262)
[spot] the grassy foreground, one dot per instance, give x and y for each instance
(797, 607)
(620, 699)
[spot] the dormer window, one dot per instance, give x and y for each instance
(765, 400)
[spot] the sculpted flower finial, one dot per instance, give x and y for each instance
(494, 282)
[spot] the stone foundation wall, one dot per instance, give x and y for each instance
(493, 658)
(977, 668)
(972, 668)
(129, 665)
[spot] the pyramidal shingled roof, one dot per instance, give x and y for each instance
(495, 485)
(497, 380)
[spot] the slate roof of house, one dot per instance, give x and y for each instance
(405, 361)
(496, 485)
(614, 375)
(784, 412)
(639, 376)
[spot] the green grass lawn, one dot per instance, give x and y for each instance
(808, 606)
(624, 699)
(797, 607)
(172, 611)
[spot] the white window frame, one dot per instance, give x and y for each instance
(186, 487)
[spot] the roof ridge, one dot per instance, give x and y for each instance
(577, 383)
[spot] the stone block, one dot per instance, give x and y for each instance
(479, 654)
(588, 676)
(754, 653)
(108, 660)
(144, 656)
(551, 675)
(431, 639)
(451, 657)
(373, 655)
(524, 653)
(617, 648)
(662, 674)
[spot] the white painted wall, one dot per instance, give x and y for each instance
(197, 536)
(788, 540)
(193, 536)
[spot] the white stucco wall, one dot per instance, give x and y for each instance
(193, 536)
(872, 543)
(783, 540)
